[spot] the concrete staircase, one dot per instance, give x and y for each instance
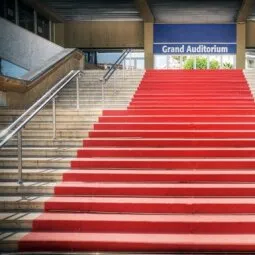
(47, 159)
(117, 94)
(250, 77)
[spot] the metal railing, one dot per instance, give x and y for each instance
(17, 126)
(111, 72)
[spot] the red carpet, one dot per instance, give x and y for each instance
(173, 172)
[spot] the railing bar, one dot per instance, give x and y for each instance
(113, 68)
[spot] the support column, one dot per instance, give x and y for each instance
(148, 45)
(241, 45)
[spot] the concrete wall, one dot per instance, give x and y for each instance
(250, 34)
(99, 34)
(24, 48)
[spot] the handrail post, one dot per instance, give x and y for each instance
(20, 181)
(114, 82)
(102, 91)
(54, 117)
(77, 94)
(123, 67)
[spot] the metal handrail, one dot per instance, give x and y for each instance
(17, 126)
(110, 72)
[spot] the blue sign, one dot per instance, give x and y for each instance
(202, 39)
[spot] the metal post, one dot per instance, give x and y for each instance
(54, 117)
(102, 88)
(20, 181)
(130, 63)
(114, 82)
(123, 67)
(77, 94)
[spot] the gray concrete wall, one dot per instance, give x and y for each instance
(24, 48)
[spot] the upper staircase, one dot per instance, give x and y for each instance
(173, 172)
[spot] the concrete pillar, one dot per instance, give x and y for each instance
(148, 45)
(241, 45)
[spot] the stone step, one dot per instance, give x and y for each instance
(36, 174)
(22, 203)
(60, 118)
(36, 162)
(27, 188)
(98, 105)
(60, 125)
(39, 152)
(92, 100)
(129, 190)
(47, 142)
(59, 133)
(45, 112)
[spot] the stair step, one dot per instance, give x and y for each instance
(55, 241)
(40, 152)
(165, 152)
(227, 112)
(173, 133)
(153, 205)
(175, 126)
(129, 175)
(174, 118)
(126, 223)
(130, 189)
(166, 142)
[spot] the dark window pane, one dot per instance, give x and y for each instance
(2, 8)
(10, 10)
(42, 26)
(26, 17)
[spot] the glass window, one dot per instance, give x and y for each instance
(160, 62)
(42, 26)
(139, 63)
(174, 62)
(2, 8)
(26, 17)
(250, 59)
(9, 10)
(9, 69)
(107, 57)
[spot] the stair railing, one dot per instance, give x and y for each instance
(111, 72)
(17, 126)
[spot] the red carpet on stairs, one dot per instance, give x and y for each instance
(173, 172)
